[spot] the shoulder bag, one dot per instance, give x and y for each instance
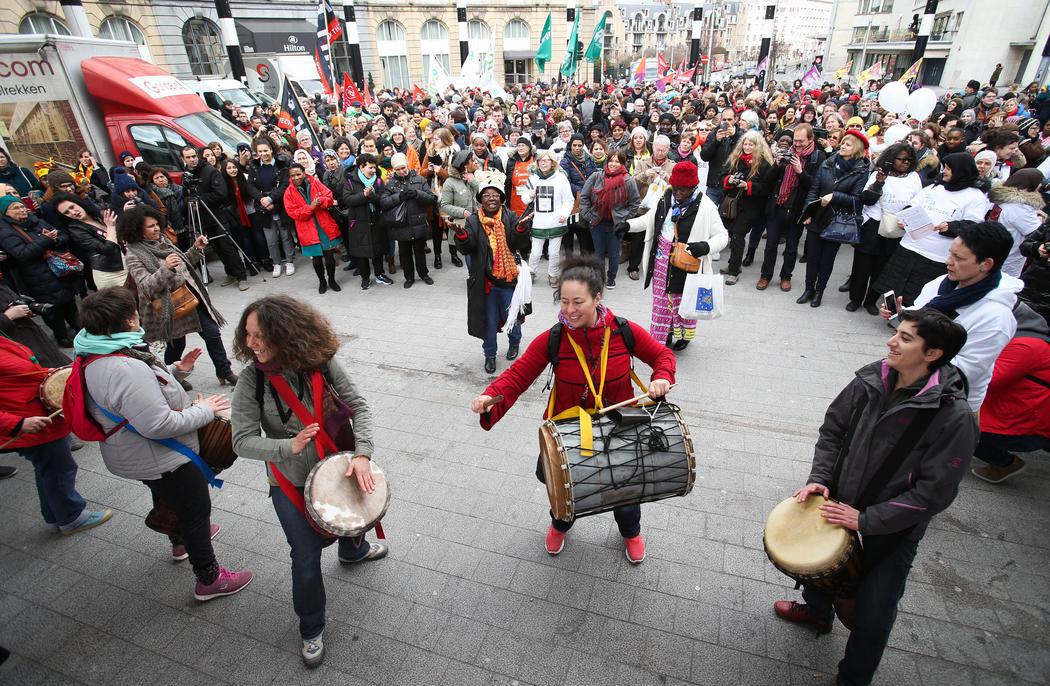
(888, 224)
(183, 302)
(729, 208)
(680, 257)
(61, 263)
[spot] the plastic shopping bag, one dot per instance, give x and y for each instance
(655, 191)
(703, 296)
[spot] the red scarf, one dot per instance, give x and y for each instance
(613, 192)
(790, 183)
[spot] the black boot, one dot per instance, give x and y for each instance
(322, 287)
(331, 277)
(437, 261)
(806, 296)
(455, 259)
(844, 288)
(490, 365)
(512, 351)
(815, 302)
(681, 345)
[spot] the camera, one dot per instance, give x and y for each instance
(190, 182)
(40, 309)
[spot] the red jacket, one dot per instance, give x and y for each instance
(569, 381)
(310, 220)
(1016, 405)
(20, 380)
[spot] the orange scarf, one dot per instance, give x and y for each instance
(503, 266)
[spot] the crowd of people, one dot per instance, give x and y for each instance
(666, 183)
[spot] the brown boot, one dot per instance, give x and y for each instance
(785, 285)
(762, 284)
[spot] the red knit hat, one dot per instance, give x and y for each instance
(684, 174)
(858, 135)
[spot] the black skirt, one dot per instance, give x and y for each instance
(906, 273)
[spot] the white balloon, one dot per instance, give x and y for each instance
(894, 97)
(921, 103)
(896, 133)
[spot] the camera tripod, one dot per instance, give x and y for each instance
(193, 211)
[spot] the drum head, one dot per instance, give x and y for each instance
(336, 503)
(53, 387)
(552, 457)
(799, 539)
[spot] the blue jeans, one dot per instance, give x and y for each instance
(780, 224)
(880, 590)
(606, 244)
(716, 193)
(996, 448)
(497, 302)
(308, 596)
(56, 475)
(212, 341)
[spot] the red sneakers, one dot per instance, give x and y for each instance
(800, 614)
(178, 550)
(227, 583)
(555, 541)
(634, 549)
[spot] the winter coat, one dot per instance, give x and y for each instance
(158, 283)
(989, 324)
(20, 379)
(1018, 210)
(1018, 399)
(715, 153)
(100, 254)
(551, 202)
(700, 228)
(25, 330)
(796, 202)
(570, 386)
(458, 196)
(845, 180)
(366, 236)
(577, 172)
(213, 192)
(310, 220)
(153, 401)
(471, 240)
(928, 167)
(638, 170)
(752, 200)
(29, 263)
(417, 225)
(274, 190)
(1036, 290)
(274, 445)
(22, 178)
(620, 214)
(927, 480)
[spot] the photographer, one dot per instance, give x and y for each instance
(16, 323)
(716, 151)
(203, 181)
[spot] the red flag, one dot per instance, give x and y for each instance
(335, 29)
(686, 75)
(350, 93)
(417, 93)
(661, 64)
(368, 97)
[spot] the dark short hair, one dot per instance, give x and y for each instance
(131, 222)
(261, 141)
(987, 240)
(999, 138)
(59, 198)
(188, 147)
(585, 268)
(367, 158)
(937, 331)
(107, 311)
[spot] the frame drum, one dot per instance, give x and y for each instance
(335, 503)
(53, 387)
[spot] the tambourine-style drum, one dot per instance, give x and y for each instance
(216, 442)
(335, 503)
(54, 386)
(805, 546)
(640, 455)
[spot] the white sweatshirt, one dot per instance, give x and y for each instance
(945, 206)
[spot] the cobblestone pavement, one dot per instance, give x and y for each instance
(468, 595)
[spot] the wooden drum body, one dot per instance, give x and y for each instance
(806, 547)
(216, 442)
(53, 387)
(336, 505)
(645, 457)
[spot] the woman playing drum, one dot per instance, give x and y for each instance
(292, 349)
(587, 326)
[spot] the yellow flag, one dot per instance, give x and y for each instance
(912, 73)
(841, 72)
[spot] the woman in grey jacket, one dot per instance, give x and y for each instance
(608, 200)
(136, 397)
(292, 348)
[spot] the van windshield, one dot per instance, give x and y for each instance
(208, 126)
(238, 96)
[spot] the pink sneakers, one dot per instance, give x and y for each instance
(634, 549)
(555, 541)
(178, 551)
(227, 583)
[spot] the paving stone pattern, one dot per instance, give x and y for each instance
(468, 595)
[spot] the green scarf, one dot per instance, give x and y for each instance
(89, 344)
(552, 172)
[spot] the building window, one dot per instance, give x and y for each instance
(393, 51)
(122, 28)
(433, 44)
(516, 36)
(41, 22)
(479, 37)
(340, 51)
(204, 47)
(517, 71)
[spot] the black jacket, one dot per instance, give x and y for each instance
(751, 201)
(213, 192)
(392, 194)
(273, 190)
(27, 260)
(90, 244)
(367, 237)
(28, 333)
(715, 153)
(797, 201)
(1036, 291)
(845, 180)
(471, 240)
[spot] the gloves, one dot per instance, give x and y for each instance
(409, 194)
(699, 249)
(621, 229)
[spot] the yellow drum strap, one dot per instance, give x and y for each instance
(584, 416)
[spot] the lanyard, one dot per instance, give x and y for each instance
(587, 373)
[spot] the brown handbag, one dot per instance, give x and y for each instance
(729, 208)
(680, 257)
(183, 302)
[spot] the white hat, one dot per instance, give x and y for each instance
(394, 130)
(399, 159)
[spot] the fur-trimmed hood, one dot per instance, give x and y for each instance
(1001, 195)
(928, 161)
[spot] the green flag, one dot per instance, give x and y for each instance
(594, 50)
(572, 55)
(543, 55)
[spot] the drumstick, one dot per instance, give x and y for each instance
(493, 400)
(12, 440)
(633, 400)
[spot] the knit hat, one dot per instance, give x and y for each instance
(491, 179)
(124, 182)
(855, 121)
(986, 155)
(684, 173)
(395, 130)
(337, 120)
(328, 152)
(124, 154)
(858, 135)
(6, 201)
(399, 159)
(1023, 124)
(460, 159)
(57, 178)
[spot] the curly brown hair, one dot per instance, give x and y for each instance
(306, 338)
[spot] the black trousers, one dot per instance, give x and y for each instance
(628, 517)
(414, 257)
(821, 260)
(221, 239)
(185, 489)
(368, 266)
(867, 267)
(60, 315)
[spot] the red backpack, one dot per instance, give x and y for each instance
(75, 399)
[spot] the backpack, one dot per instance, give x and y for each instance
(623, 327)
(74, 402)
